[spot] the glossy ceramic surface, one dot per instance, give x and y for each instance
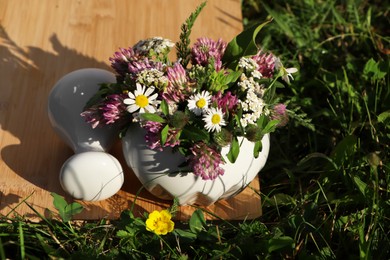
(67, 100)
(158, 171)
(91, 176)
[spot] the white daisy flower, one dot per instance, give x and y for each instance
(199, 102)
(142, 100)
(214, 120)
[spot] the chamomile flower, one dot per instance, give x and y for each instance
(141, 99)
(214, 119)
(199, 102)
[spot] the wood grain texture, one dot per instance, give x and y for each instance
(42, 40)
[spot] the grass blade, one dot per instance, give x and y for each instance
(21, 241)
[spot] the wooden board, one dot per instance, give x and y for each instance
(42, 40)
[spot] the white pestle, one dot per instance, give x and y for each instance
(91, 174)
(67, 100)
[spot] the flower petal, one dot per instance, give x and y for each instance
(132, 108)
(152, 97)
(150, 109)
(149, 91)
(291, 70)
(140, 90)
(131, 95)
(128, 101)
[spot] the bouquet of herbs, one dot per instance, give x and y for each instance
(213, 95)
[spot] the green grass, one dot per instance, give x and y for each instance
(325, 189)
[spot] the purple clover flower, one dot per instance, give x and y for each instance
(136, 66)
(128, 60)
(92, 116)
(205, 162)
(153, 136)
(108, 111)
(120, 60)
(227, 102)
(177, 75)
(266, 63)
(279, 112)
(113, 108)
(206, 49)
(177, 89)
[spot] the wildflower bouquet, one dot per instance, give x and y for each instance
(212, 95)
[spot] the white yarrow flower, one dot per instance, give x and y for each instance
(141, 100)
(199, 102)
(256, 74)
(253, 104)
(214, 119)
(157, 44)
(152, 77)
(247, 64)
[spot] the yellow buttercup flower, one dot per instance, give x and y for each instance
(160, 222)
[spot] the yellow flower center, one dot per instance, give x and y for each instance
(215, 119)
(141, 101)
(201, 103)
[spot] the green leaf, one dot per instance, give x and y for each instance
(122, 234)
(373, 70)
(270, 127)
(295, 221)
(243, 44)
(164, 107)
(185, 234)
(257, 149)
(152, 117)
(73, 209)
(262, 121)
(234, 151)
(66, 210)
(164, 134)
(59, 203)
(275, 244)
(266, 125)
(232, 77)
(178, 120)
(195, 134)
(361, 185)
(384, 117)
(197, 221)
